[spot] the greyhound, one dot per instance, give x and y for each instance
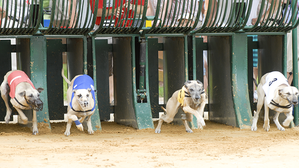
(275, 93)
(191, 98)
(81, 102)
(23, 96)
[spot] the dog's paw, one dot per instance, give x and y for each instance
(67, 133)
(286, 123)
(189, 131)
(281, 128)
(157, 131)
(266, 127)
(7, 119)
(24, 121)
(91, 132)
(253, 128)
(35, 132)
(202, 123)
(80, 127)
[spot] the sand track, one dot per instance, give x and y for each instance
(116, 145)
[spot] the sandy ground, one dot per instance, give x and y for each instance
(116, 145)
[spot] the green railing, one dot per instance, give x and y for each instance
(70, 17)
(94, 17)
(20, 17)
(276, 16)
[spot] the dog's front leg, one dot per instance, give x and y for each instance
(34, 123)
(200, 121)
(185, 119)
(68, 127)
(89, 126)
(289, 118)
(275, 119)
(71, 118)
(77, 122)
(22, 115)
(266, 117)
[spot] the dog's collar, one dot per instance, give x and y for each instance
(182, 94)
(277, 105)
(79, 111)
(183, 90)
(187, 94)
(21, 103)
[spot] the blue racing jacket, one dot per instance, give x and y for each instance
(83, 82)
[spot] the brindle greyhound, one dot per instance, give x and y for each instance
(191, 98)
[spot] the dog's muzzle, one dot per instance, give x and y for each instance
(83, 103)
(197, 99)
(38, 105)
(295, 102)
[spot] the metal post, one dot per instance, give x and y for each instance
(38, 69)
(295, 70)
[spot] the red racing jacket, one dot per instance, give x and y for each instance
(14, 79)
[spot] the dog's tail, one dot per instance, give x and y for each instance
(254, 80)
(163, 109)
(66, 79)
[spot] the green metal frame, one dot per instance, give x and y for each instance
(38, 69)
(295, 72)
(225, 19)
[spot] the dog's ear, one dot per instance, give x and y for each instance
(185, 84)
(279, 92)
(22, 94)
(89, 90)
(199, 82)
(39, 90)
(74, 91)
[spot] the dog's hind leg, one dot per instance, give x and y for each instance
(164, 117)
(289, 118)
(172, 108)
(185, 118)
(259, 106)
(4, 95)
(168, 117)
(266, 117)
(275, 119)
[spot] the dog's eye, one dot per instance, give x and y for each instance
(87, 95)
(31, 95)
(191, 90)
(79, 95)
(288, 93)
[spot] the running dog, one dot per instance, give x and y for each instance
(275, 93)
(81, 102)
(23, 96)
(191, 98)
